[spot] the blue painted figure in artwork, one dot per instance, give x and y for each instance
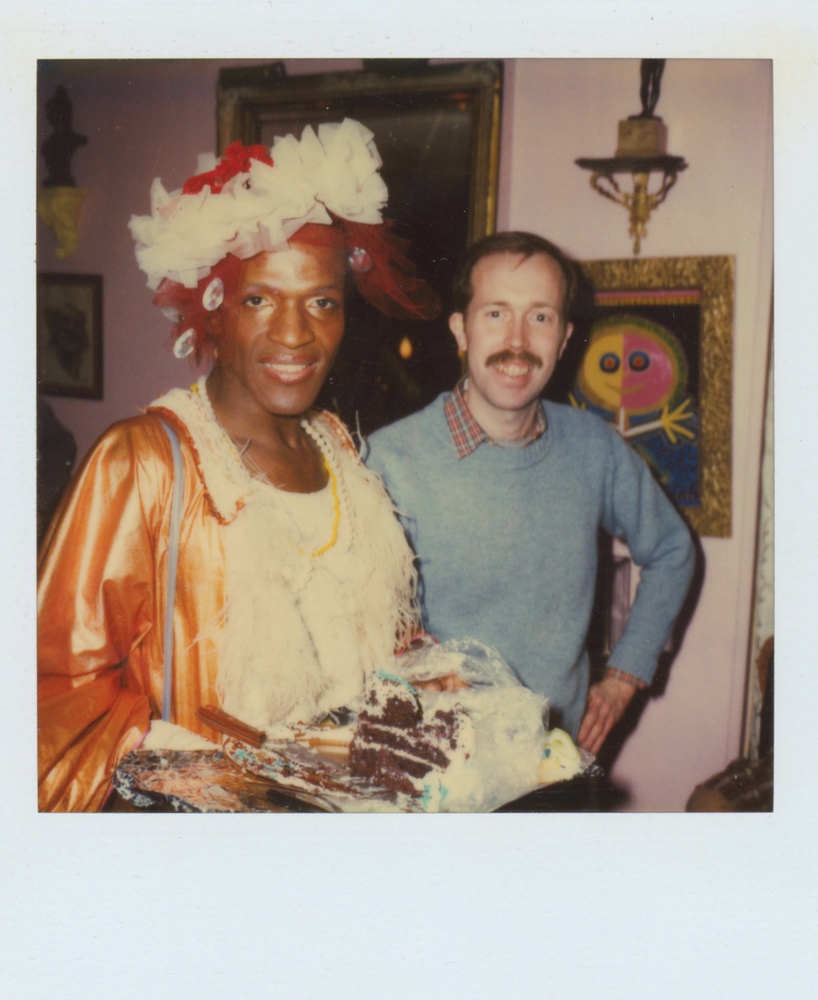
(634, 375)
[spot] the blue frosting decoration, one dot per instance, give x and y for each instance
(386, 676)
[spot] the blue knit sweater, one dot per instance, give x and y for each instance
(507, 543)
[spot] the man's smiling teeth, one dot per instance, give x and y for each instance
(514, 368)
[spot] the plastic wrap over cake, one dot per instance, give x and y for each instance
(467, 750)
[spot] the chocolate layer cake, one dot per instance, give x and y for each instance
(393, 745)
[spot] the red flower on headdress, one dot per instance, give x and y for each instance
(236, 160)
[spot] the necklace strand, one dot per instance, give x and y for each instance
(343, 511)
(336, 503)
(340, 500)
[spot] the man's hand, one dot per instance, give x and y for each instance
(607, 701)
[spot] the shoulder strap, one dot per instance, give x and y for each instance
(173, 562)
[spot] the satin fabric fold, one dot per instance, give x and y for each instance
(102, 588)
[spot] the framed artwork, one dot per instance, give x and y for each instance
(69, 335)
(658, 365)
(437, 129)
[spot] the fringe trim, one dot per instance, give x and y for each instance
(226, 481)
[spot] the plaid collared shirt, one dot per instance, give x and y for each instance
(467, 434)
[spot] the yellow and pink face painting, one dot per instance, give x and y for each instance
(632, 367)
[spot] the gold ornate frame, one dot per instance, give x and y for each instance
(253, 99)
(713, 278)
(437, 129)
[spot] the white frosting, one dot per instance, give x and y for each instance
(561, 758)
(168, 736)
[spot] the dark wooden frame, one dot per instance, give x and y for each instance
(80, 294)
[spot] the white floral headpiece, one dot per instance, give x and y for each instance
(260, 208)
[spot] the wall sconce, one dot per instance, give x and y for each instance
(641, 151)
(59, 200)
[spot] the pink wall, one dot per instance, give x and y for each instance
(150, 119)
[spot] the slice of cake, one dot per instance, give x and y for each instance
(395, 747)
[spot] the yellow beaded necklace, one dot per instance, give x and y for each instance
(336, 508)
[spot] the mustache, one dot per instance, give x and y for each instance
(503, 357)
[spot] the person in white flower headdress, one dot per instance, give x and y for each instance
(280, 577)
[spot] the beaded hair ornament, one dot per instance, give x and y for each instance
(326, 187)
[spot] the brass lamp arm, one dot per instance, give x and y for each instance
(640, 204)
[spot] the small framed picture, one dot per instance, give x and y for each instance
(69, 335)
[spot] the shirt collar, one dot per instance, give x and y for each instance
(467, 434)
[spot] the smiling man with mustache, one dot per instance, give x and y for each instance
(502, 496)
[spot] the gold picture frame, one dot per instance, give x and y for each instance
(437, 130)
(413, 102)
(693, 297)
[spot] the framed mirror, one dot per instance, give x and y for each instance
(437, 129)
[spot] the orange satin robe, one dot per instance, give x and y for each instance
(101, 600)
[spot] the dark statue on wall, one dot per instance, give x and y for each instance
(651, 72)
(61, 145)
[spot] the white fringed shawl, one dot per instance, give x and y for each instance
(299, 633)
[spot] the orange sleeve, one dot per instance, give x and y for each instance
(96, 603)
